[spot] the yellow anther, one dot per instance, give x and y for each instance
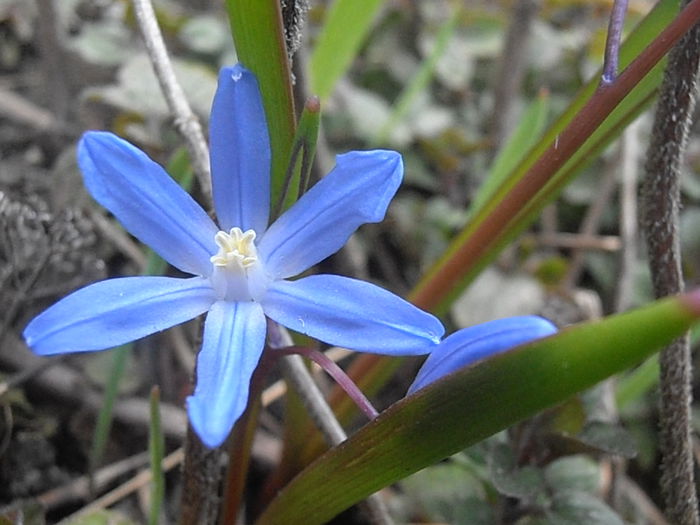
(236, 249)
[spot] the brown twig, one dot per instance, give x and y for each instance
(591, 221)
(122, 491)
(78, 489)
(119, 238)
(53, 59)
(186, 121)
(577, 241)
(660, 215)
(511, 69)
(628, 217)
(67, 385)
(202, 472)
(25, 112)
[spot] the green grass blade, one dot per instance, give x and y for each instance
(347, 24)
(474, 403)
(635, 384)
(421, 80)
(156, 445)
(120, 356)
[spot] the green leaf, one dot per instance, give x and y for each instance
(447, 492)
(156, 445)
(608, 437)
(575, 508)
(206, 34)
(347, 24)
(517, 482)
(635, 384)
(579, 472)
(474, 403)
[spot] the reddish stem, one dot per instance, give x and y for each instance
(338, 374)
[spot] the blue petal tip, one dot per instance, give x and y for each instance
(210, 430)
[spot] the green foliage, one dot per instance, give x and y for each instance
(512, 480)
(156, 446)
(346, 25)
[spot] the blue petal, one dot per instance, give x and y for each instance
(147, 201)
(353, 314)
(358, 190)
(116, 311)
(240, 152)
(469, 345)
(234, 337)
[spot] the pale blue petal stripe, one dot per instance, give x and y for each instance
(240, 152)
(234, 337)
(353, 314)
(472, 344)
(358, 190)
(147, 201)
(116, 311)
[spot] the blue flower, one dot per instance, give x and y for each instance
(241, 267)
(472, 344)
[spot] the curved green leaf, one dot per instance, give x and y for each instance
(474, 403)
(344, 30)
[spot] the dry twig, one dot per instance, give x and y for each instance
(660, 215)
(185, 120)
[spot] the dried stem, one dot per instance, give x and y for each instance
(53, 59)
(660, 214)
(512, 68)
(185, 120)
(201, 476)
(593, 217)
(628, 217)
(140, 480)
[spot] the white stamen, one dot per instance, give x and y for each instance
(236, 249)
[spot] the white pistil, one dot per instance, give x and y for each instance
(236, 249)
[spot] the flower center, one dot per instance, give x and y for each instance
(238, 271)
(236, 250)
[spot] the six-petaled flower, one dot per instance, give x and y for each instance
(241, 267)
